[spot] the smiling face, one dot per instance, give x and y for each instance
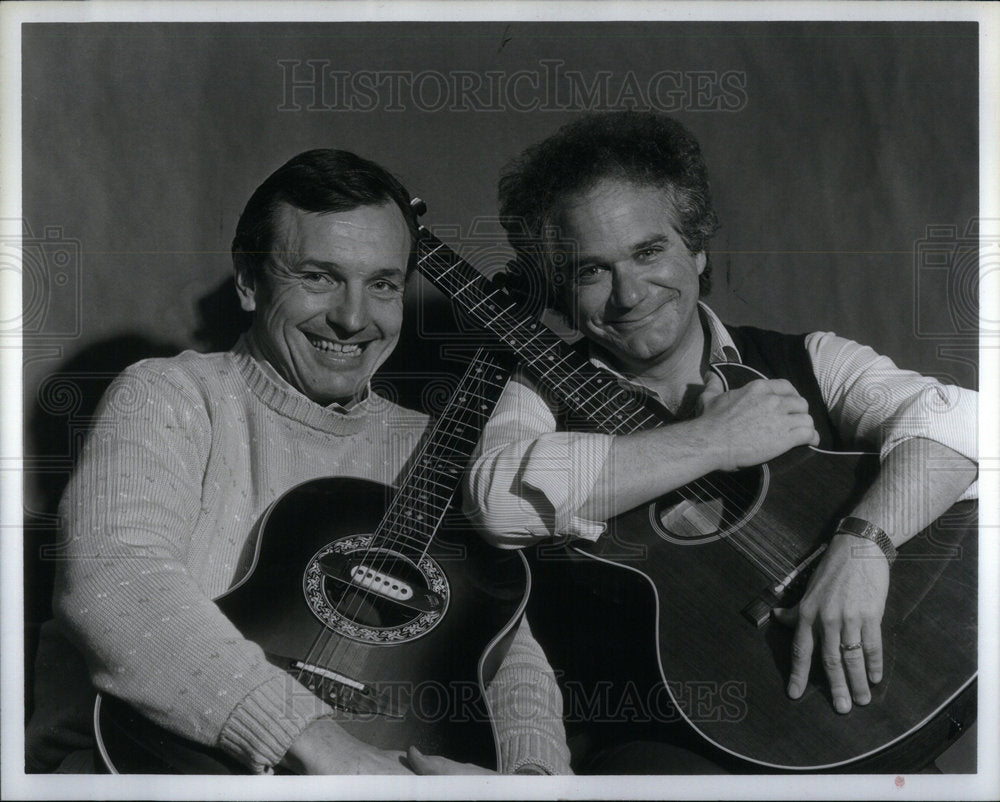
(631, 285)
(329, 305)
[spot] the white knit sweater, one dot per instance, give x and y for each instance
(185, 455)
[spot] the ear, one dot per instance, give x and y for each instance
(700, 260)
(246, 288)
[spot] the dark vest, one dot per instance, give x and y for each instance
(784, 356)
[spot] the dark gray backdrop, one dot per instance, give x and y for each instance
(844, 162)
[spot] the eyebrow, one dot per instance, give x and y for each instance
(384, 272)
(657, 239)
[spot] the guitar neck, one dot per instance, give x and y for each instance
(597, 399)
(416, 510)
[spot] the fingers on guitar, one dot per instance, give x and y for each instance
(802, 649)
(854, 665)
(871, 637)
(833, 665)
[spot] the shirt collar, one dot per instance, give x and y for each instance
(721, 347)
(246, 345)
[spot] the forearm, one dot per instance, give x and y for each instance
(735, 429)
(644, 465)
(917, 482)
(595, 477)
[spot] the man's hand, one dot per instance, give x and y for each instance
(324, 747)
(735, 429)
(843, 607)
(756, 422)
(434, 764)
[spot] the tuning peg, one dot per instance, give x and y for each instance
(418, 206)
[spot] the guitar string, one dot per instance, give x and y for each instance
(395, 511)
(749, 540)
(330, 658)
(507, 337)
(389, 536)
(754, 546)
(439, 436)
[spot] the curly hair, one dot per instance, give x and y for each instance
(641, 147)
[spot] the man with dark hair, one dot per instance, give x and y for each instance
(186, 455)
(612, 216)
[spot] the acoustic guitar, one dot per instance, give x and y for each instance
(383, 603)
(671, 605)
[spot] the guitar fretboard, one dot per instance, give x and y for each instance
(417, 508)
(597, 399)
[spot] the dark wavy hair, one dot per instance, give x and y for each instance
(642, 147)
(320, 180)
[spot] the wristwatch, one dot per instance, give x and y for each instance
(859, 527)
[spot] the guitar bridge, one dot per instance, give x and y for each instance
(345, 693)
(340, 691)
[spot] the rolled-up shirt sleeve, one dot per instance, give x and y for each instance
(876, 404)
(526, 481)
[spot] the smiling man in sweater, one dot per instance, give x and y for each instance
(186, 455)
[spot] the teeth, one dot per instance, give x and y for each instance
(347, 349)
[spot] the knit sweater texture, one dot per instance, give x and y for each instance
(185, 455)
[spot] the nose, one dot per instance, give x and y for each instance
(348, 312)
(626, 286)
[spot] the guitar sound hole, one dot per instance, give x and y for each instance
(710, 508)
(369, 607)
(374, 595)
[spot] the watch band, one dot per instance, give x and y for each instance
(859, 527)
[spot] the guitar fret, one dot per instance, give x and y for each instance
(607, 401)
(437, 247)
(498, 314)
(422, 495)
(462, 439)
(479, 303)
(465, 286)
(582, 386)
(417, 508)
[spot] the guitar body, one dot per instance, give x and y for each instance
(676, 637)
(686, 567)
(407, 668)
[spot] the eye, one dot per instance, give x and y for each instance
(588, 274)
(315, 278)
(386, 287)
(648, 254)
